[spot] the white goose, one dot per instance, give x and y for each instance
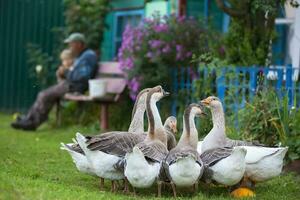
(224, 165)
(144, 162)
(217, 136)
(262, 163)
(136, 126)
(183, 165)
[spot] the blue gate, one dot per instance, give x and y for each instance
(237, 85)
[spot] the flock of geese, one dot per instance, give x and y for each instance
(145, 158)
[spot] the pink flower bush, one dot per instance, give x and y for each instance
(150, 50)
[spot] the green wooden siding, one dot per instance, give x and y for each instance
(216, 15)
(23, 22)
(195, 8)
(107, 44)
(120, 4)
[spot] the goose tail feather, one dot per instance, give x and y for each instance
(82, 142)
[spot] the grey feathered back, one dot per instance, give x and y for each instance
(212, 156)
(234, 143)
(115, 143)
(154, 151)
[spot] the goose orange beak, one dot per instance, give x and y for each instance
(205, 102)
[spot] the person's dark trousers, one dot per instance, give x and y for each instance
(39, 111)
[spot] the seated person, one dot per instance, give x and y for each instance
(67, 60)
(76, 80)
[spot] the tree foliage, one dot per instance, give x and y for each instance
(87, 17)
(251, 30)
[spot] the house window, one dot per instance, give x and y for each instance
(122, 19)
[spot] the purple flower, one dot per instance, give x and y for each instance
(134, 86)
(166, 49)
(193, 74)
(188, 54)
(126, 64)
(179, 48)
(179, 52)
(148, 20)
(155, 43)
(150, 55)
(161, 28)
(178, 56)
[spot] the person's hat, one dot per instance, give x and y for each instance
(75, 37)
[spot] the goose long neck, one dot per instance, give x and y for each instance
(154, 119)
(137, 121)
(190, 134)
(218, 118)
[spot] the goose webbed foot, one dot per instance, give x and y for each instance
(159, 183)
(133, 191)
(173, 189)
(113, 186)
(101, 186)
(195, 186)
(246, 182)
(126, 186)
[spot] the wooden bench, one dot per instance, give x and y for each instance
(116, 83)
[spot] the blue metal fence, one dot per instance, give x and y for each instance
(237, 85)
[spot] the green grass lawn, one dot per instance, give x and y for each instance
(33, 167)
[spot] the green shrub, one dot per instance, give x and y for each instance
(270, 121)
(87, 17)
(293, 139)
(259, 120)
(42, 66)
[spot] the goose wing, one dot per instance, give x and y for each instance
(234, 143)
(115, 143)
(211, 157)
(178, 153)
(154, 151)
